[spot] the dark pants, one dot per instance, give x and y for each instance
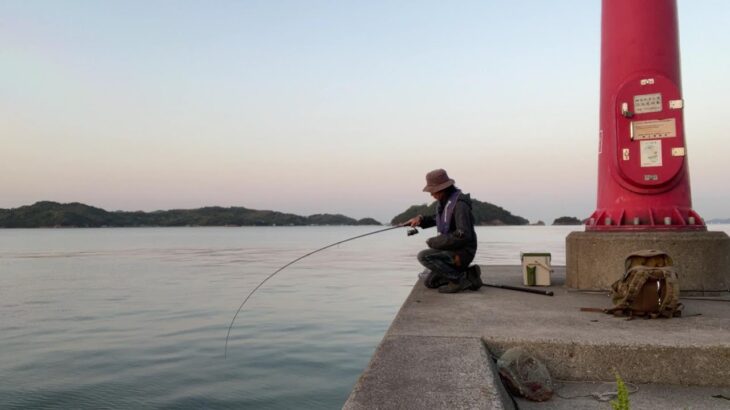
(441, 262)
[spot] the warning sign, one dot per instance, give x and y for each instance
(653, 129)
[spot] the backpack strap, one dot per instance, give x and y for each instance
(670, 305)
(625, 291)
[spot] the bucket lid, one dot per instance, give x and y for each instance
(523, 254)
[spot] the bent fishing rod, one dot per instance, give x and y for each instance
(412, 231)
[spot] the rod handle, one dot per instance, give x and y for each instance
(521, 289)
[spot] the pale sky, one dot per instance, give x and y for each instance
(329, 106)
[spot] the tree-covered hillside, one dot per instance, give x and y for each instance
(567, 220)
(484, 214)
(54, 214)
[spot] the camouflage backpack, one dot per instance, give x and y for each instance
(649, 287)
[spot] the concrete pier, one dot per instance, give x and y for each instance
(436, 353)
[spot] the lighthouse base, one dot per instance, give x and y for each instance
(594, 260)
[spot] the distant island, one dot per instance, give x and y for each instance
(484, 214)
(47, 214)
(567, 220)
(718, 221)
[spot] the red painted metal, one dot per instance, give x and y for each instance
(643, 177)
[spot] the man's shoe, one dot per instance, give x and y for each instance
(455, 287)
(434, 280)
(474, 274)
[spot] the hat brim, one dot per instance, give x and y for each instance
(439, 187)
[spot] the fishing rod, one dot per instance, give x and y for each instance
(411, 231)
(521, 289)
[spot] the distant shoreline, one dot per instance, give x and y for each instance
(48, 214)
(184, 226)
(54, 215)
(269, 226)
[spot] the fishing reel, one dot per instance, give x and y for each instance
(412, 231)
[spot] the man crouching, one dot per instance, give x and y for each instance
(452, 250)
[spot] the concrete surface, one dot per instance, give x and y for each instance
(572, 396)
(431, 357)
(596, 259)
(414, 372)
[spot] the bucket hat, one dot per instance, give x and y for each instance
(437, 180)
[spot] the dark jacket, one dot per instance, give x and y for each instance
(461, 238)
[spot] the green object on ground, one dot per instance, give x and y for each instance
(622, 401)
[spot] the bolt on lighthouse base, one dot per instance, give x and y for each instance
(594, 260)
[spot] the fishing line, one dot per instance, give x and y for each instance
(225, 350)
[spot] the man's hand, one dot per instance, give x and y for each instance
(413, 222)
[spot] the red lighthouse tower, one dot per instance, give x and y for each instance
(643, 175)
(644, 199)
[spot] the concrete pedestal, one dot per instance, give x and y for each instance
(594, 260)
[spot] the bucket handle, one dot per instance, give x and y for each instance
(541, 265)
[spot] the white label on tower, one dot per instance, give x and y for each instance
(651, 153)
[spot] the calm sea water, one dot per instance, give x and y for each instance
(137, 318)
